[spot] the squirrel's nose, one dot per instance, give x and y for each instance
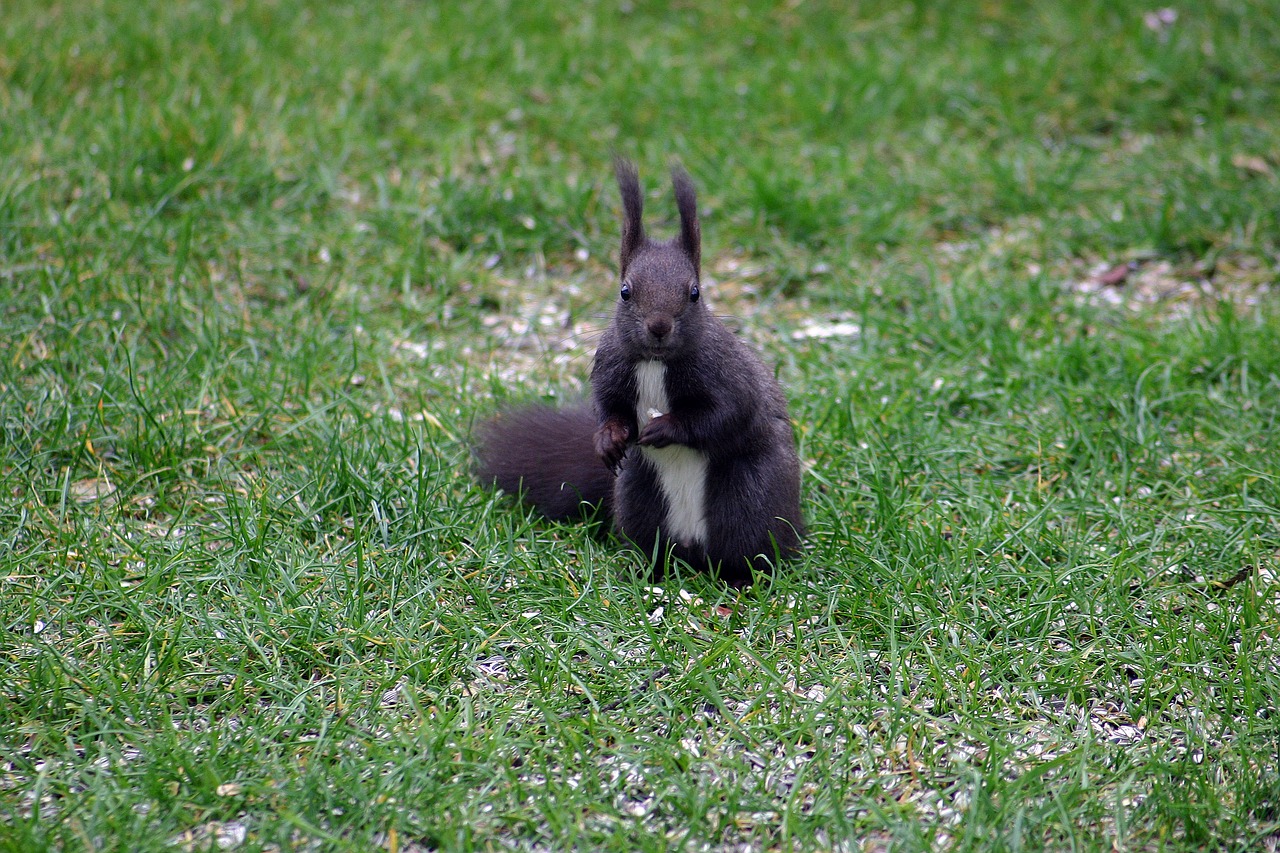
(659, 327)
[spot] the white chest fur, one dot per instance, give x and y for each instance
(682, 471)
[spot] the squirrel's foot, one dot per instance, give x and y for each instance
(660, 432)
(611, 442)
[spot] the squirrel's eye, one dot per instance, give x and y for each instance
(693, 292)
(626, 291)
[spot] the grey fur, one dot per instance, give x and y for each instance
(724, 403)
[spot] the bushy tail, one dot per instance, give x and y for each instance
(548, 457)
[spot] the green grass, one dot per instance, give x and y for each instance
(263, 265)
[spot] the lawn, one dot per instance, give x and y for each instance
(265, 265)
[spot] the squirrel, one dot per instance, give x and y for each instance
(686, 445)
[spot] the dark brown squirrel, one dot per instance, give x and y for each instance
(686, 445)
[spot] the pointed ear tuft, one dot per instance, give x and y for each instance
(632, 208)
(687, 203)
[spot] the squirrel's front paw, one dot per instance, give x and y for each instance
(660, 432)
(611, 442)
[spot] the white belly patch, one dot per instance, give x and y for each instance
(682, 471)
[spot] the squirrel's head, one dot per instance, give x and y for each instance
(660, 307)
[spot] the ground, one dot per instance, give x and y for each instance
(265, 265)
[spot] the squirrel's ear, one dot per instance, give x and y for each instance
(687, 203)
(632, 208)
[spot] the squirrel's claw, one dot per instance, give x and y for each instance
(611, 443)
(659, 432)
